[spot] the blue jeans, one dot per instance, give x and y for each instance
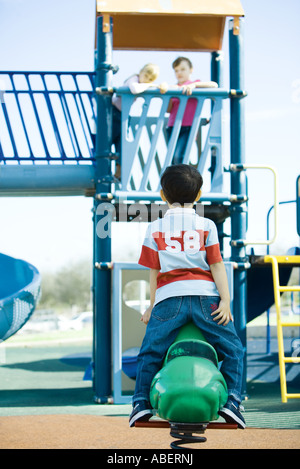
(166, 319)
(181, 143)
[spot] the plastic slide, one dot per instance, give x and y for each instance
(20, 285)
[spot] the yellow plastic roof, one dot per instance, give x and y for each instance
(168, 24)
(172, 7)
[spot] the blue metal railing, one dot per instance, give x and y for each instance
(145, 148)
(47, 116)
(50, 117)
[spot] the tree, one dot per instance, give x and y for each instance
(69, 286)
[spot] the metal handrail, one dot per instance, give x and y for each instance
(241, 167)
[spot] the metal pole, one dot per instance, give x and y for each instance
(238, 184)
(216, 67)
(102, 239)
(216, 72)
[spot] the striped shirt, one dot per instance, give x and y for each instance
(182, 246)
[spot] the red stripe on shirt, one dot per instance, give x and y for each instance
(182, 274)
(213, 254)
(149, 258)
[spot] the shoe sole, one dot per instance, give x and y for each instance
(142, 416)
(230, 417)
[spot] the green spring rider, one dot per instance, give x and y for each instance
(189, 389)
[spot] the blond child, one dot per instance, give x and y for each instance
(137, 83)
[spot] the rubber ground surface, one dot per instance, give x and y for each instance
(45, 403)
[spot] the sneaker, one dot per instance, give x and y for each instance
(231, 413)
(141, 413)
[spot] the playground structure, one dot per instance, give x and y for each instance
(53, 148)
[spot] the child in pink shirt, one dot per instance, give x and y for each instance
(183, 69)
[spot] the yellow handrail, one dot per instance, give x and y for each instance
(275, 260)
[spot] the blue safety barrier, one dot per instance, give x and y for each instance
(47, 117)
(146, 148)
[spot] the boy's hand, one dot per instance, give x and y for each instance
(146, 316)
(223, 313)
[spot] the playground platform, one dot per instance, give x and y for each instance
(45, 403)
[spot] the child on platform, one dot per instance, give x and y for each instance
(188, 282)
(183, 69)
(137, 83)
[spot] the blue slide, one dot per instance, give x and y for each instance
(20, 286)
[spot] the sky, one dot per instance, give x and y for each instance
(58, 35)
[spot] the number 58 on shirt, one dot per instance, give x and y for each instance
(189, 242)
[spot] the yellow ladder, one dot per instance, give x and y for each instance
(275, 260)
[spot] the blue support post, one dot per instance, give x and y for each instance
(238, 184)
(216, 67)
(216, 73)
(102, 219)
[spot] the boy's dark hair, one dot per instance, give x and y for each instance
(181, 59)
(181, 183)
